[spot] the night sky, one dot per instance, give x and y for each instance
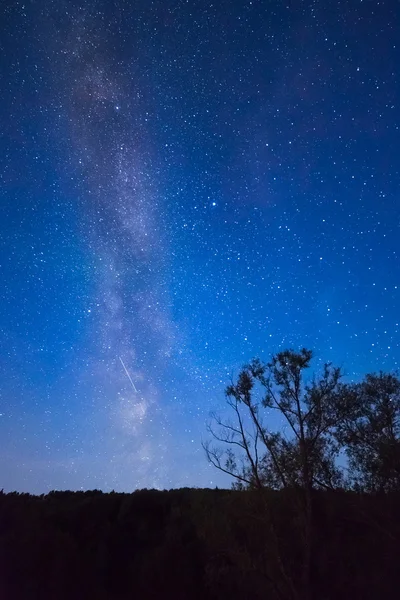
(185, 185)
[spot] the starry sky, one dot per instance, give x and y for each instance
(185, 185)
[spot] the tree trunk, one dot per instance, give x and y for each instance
(308, 522)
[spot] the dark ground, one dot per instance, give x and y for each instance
(193, 544)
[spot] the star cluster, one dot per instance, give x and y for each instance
(185, 185)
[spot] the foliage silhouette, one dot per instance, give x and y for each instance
(368, 415)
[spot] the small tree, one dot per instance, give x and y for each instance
(368, 416)
(300, 453)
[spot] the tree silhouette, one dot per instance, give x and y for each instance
(302, 451)
(368, 416)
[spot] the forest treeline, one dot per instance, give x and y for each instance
(195, 544)
(313, 513)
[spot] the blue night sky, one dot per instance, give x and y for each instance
(185, 185)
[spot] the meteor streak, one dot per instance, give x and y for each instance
(129, 377)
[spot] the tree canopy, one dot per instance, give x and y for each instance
(328, 434)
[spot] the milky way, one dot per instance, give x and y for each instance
(186, 186)
(121, 214)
